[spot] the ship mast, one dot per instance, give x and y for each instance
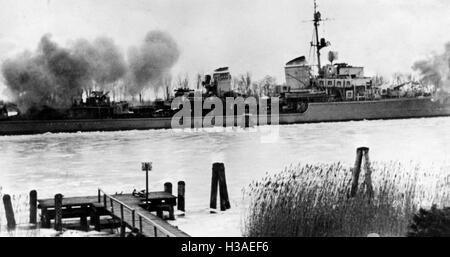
(318, 44)
(316, 28)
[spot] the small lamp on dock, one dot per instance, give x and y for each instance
(146, 166)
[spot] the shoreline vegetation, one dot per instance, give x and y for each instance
(314, 200)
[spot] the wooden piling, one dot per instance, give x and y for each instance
(83, 219)
(168, 187)
(223, 191)
(45, 220)
(58, 212)
(33, 207)
(122, 223)
(360, 152)
(171, 213)
(368, 176)
(9, 212)
(95, 220)
(181, 192)
(214, 185)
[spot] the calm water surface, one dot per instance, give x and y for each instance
(79, 163)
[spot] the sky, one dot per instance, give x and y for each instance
(256, 36)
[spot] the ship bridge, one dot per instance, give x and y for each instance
(345, 82)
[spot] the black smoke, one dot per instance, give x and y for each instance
(106, 63)
(51, 76)
(435, 70)
(150, 61)
(54, 76)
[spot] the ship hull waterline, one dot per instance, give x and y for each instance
(316, 112)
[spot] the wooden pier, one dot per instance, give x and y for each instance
(127, 211)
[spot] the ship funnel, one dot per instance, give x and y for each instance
(332, 56)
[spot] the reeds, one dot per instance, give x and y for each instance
(313, 200)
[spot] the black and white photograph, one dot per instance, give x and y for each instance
(238, 119)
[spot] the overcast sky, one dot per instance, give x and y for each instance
(258, 36)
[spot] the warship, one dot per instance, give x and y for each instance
(313, 93)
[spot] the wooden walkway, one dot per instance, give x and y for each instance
(126, 209)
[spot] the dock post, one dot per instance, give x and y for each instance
(33, 207)
(58, 212)
(223, 191)
(95, 219)
(122, 222)
(368, 176)
(168, 187)
(83, 219)
(357, 170)
(10, 219)
(181, 192)
(45, 221)
(214, 185)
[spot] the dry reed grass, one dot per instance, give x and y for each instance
(312, 200)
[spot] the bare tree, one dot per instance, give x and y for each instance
(267, 85)
(183, 81)
(199, 80)
(243, 83)
(167, 84)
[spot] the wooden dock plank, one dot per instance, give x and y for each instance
(148, 229)
(68, 201)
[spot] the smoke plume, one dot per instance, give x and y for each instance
(106, 62)
(152, 60)
(49, 77)
(54, 76)
(435, 70)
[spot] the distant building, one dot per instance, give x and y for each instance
(298, 73)
(222, 79)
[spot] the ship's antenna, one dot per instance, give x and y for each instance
(316, 28)
(318, 44)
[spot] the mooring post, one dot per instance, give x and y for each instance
(95, 218)
(168, 187)
(214, 185)
(33, 207)
(368, 175)
(45, 221)
(122, 222)
(223, 191)
(159, 213)
(58, 212)
(83, 219)
(357, 170)
(11, 221)
(181, 192)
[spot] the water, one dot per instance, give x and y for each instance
(79, 163)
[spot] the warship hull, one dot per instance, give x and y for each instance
(316, 112)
